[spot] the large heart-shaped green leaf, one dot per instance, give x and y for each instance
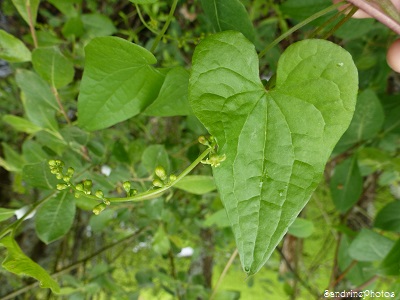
(276, 142)
(118, 83)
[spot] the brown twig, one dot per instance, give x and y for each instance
(344, 273)
(55, 93)
(31, 25)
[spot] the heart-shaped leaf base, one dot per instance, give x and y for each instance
(276, 142)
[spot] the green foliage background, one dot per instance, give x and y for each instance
(116, 108)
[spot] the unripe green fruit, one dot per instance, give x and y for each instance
(127, 186)
(160, 172)
(157, 183)
(99, 208)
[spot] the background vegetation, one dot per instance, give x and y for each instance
(177, 245)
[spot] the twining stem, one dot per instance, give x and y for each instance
(298, 26)
(341, 22)
(223, 274)
(165, 27)
(326, 23)
(57, 96)
(31, 26)
(143, 20)
(154, 193)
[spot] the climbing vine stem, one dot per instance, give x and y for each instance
(298, 26)
(166, 25)
(157, 192)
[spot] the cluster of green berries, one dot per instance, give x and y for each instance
(161, 178)
(82, 188)
(56, 168)
(127, 188)
(207, 141)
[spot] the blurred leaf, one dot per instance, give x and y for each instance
(227, 295)
(6, 213)
(72, 134)
(219, 219)
(301, 228)
(86, 203)
(154, 208)
(358, 274)
(12, 49)
(346, 184)
(55, 217)
(97, 25)
(143, 1)
(161, 243)
(120, 153)
(119, 87)
(392, 121)
(33, 152)
(388, 218)
(39, 175)
(53, 66)
(196, 184)
(369, 246)
(66, 7)
(98, 222)
(13, 161)
(154, 156)
(18, 263)
(391, 264)
(144, 277)
(302, 9)
(73, 28)
(173, 97)
(39, 102)
(353, 29)
(21, 124)
(50, 143)
(229, 15)
(366, 123)
(48, 38)
(22, 7)
(373, 159)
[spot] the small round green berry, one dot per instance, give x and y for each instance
(160, 172)
(52, 163)
(133, 192)
(99, 208)
(79, 187)
(61, 186)
(127, 186)
(157, 183)
(59, 176)
(202, 140)
(70, 172)
(172, 178)
(66, 178)
(99, 194)
(87, 184)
